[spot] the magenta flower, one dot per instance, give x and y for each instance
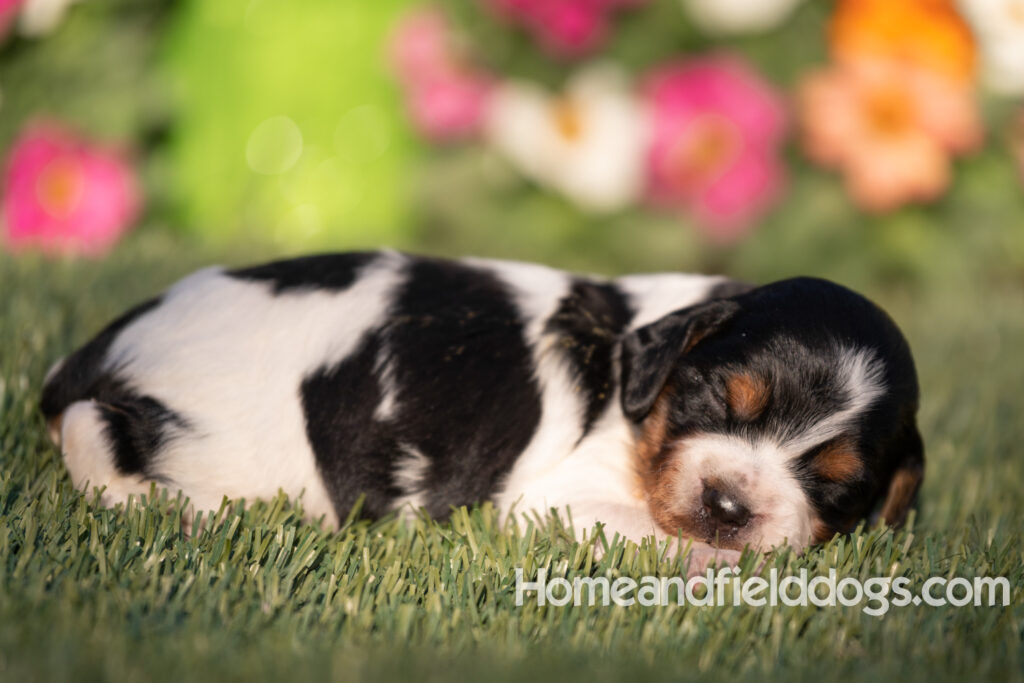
(717, 128)
(565, 28)
(445, 96)
(64, 195)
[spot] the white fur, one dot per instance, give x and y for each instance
(229, 357)
(389, 389)
(549, 473)
(410, 474)
(659, 294)
(594, 479)
(862, 379)
(759, 471)
(88, 458)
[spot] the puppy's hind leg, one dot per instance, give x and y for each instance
(89, 454)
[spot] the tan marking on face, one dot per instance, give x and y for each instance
(821, 532)
(658, 473)
(656, 478)
(662, 498)
(902, 490)
(747, 395)
(838, 462)
(652, 430)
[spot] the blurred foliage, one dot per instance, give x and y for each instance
(975, 231)
(95, 73)
(209, 90)
(333, 158)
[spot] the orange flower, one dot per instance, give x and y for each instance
(928, 33)
(889, 127)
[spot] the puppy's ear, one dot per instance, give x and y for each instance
(906, 478)
(650, 353)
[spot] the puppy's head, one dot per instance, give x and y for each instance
(782, 415)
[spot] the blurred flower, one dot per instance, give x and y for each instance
(421, 41)
(890, 127)
(39, 17)
(727, 17)
(63, 194)
(446, 97)
(717, 128)
(927, 33)
(565, 28)
(999, 25)
(8, 13)
(588, 144)
(448, 106)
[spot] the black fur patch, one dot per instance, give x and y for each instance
(728, 288)
(333, 272)
(136, 425)
(354, 453)
(81, 371)
(466, 396)
(457, 343)
(588, 322)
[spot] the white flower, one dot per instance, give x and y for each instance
(39, 17)
(588, 143)
(999, 26)
(738, 16)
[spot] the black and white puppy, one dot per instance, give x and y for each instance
(666, 405)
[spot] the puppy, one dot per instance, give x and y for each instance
(678, 406)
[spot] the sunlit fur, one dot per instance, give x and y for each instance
(285, 377)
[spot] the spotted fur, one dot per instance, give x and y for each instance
(655, 404)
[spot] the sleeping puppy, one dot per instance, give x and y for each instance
(678, 406)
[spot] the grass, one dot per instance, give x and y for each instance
(121, 595)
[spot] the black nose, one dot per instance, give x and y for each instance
(724, 508)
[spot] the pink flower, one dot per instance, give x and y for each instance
(717, 128)
(421, 42)
(565, 28)
(8, 13)
(445, 96)
(62, 194)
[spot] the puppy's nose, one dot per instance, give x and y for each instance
(724, 508)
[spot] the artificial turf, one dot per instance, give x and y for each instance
(123, 595)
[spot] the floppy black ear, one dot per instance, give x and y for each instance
(650, 353)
